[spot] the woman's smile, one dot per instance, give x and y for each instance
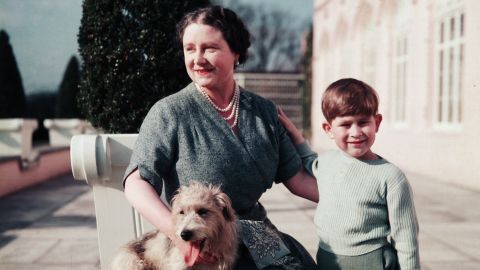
(203, 72)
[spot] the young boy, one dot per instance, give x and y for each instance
(364, 199)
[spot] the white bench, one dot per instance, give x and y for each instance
(101, 160)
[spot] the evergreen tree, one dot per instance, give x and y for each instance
(12, 95)
(130, 59)
(66, 105)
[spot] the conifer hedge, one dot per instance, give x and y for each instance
(66, 103)
(130, 59)
(12, 94)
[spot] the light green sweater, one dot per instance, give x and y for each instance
(361, 204)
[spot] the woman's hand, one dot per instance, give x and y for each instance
(295, 134)
(146, 201)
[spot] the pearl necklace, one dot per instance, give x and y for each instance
(234, 104)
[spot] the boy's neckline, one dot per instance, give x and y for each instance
(378, 160)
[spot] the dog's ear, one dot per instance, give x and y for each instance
(224, 202)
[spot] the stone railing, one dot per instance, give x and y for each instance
(285, 89)
(61, 131)
(16, 139)
(101, 160)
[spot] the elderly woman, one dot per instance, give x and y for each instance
(216, 132)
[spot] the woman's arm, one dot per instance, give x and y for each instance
(304, 185)
(143, 197)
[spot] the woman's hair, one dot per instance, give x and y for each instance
(347, 97)
(226, 21)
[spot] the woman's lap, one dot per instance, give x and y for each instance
(300, 258)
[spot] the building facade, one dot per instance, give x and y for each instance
(422, 57)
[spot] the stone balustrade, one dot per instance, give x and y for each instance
(16, 138)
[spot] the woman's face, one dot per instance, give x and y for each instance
(208, 58)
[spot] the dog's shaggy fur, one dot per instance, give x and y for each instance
(202, 214)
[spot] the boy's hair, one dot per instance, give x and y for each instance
(347, 97)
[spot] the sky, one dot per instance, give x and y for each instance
(43, 34)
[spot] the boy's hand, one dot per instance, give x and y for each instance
(293, 132)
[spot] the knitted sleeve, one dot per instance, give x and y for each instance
(403, 224)
(155, 148)
(308, 157)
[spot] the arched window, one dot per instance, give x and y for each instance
(340, 49)
(369, 51)
(400, 62)
(449, 58)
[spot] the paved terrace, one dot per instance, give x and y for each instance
(52, 225)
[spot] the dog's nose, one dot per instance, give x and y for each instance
(186, 235)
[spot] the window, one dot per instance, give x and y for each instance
(449, 56)
(400, 79)
(400, 65)
(369, 54)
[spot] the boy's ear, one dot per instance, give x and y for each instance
(378, 121)
(328, 129)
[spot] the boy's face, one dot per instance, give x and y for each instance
(355, 134)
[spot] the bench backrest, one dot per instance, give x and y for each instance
(101, 160)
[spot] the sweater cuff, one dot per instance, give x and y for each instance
(304, 149)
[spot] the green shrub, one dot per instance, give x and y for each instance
(130, 59)
(66, 105)
(12, 95)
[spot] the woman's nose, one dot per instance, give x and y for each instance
(199, 58)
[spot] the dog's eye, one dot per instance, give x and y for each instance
(202, 212)
(181, 212)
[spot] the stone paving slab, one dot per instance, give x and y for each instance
(49, 226)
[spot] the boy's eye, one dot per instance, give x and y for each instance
(363, 123)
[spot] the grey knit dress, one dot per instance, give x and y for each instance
(184, 139)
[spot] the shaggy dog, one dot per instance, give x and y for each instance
(202, 215)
